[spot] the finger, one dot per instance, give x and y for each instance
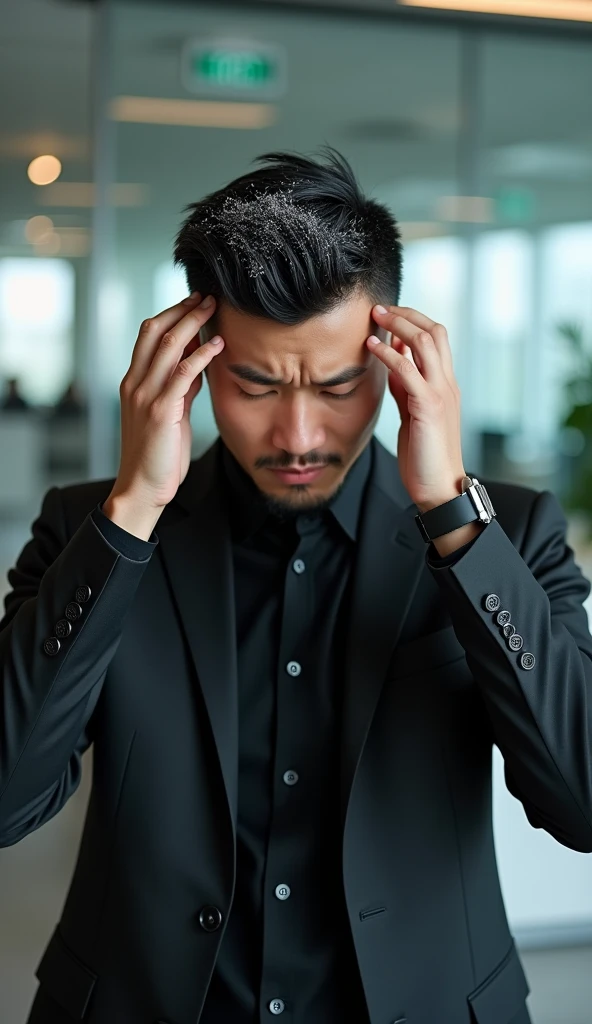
(425, 354)
(424, 323)
(172, 345)
(411, 379)
(186, 372)
(150, 334)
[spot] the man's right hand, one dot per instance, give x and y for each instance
(156, 394)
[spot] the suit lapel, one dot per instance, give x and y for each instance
(197, 555)
(390, 557)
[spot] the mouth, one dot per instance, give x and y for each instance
(299, 476)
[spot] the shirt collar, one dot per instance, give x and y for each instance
(249, 511)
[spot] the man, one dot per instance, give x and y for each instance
(292, 686)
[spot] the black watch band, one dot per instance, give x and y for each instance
(474, 505)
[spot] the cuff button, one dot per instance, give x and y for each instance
(508, 630)
(52, 645)
(63, 628)
(502, 618)
(491, 602)
(82, 594)
(73, 611)
(515, 642)
(527, 660)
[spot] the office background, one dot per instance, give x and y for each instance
(476, 130)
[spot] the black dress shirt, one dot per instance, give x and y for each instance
(287, 949)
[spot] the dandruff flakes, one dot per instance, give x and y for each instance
(261, 225)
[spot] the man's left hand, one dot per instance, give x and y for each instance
(428, 396)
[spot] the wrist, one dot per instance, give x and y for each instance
(128, 513)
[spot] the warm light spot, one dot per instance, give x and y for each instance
(564, 10)
(44, 169)
(38, 229)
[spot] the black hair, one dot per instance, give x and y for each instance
(290, 240)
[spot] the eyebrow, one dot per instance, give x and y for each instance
(253, 376)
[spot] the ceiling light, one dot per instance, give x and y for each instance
(192, 113)
(44, 169)
(564, 10)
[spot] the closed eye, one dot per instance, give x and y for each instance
(329, 394)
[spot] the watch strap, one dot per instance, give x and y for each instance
(453, 514)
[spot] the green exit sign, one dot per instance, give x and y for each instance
(231, 68)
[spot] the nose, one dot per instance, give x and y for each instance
(298, 427)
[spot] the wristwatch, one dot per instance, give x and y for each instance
(472, 505)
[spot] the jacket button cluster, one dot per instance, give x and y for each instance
(514, 641)
(63, 627)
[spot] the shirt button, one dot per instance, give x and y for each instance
(293, 668)
(298, 566)
(290, 778)
(283, 891)
(277, 1006)
(210, 919)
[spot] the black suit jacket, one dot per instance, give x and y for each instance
(148, 675)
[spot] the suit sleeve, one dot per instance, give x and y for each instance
(49, 685)
(540, 706)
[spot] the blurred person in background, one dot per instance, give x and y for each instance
(70, 403)
(293, 655)
(12, 398)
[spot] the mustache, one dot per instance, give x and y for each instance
(298, 461)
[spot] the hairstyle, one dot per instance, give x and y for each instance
(291, 240)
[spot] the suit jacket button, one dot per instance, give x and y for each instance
(73, 611)
(210, 919)
(527, 660)
(508, 630)
(82, 594)
(491, 602)
(52, 645)
(515, 642)
(502, 618)
(63, 628)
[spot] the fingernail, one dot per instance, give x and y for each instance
(381, 309)
(206, 302)
(217, 340)
(374, 340)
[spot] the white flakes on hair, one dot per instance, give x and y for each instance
(258, 226)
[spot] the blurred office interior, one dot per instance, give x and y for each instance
(474, 126)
